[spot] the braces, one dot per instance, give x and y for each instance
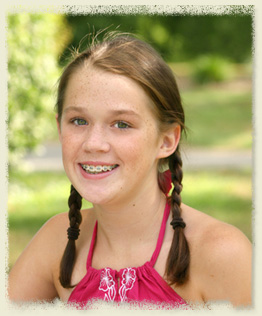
(98, 169)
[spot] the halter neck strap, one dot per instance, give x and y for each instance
(92, 245)
(161, 235)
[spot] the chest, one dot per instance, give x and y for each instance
(138, 285)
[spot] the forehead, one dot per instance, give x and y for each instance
(90, 85)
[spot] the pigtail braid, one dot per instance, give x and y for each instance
(179, 256)
(75, 219)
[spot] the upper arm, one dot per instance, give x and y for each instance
(226, 266)
(31, 278)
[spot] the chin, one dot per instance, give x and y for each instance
(96, 198)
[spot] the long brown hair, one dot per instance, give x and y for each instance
(131, 57)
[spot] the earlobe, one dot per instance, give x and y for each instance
(170, 140)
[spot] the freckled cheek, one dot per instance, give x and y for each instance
(70, 144)
(136, 156)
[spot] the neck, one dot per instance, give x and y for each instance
(125, 225)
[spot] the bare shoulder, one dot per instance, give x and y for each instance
(34, 273)
(208, 230)
(53, 235)
(221, 258)
(31, 277)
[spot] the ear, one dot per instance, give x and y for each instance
(169, 141)
(58, 126)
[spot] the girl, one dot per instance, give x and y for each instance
(120, 118)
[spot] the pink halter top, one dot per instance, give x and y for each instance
(138, 285)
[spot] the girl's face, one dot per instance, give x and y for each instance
(109, 136)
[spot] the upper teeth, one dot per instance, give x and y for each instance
(97, 169)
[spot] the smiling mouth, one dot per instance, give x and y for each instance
(97, 169)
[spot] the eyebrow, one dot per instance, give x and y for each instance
(121, 112)
(75, 108)
(112, 112)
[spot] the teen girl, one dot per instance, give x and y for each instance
(120, 118)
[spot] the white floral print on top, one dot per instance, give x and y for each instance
(107, 284)
(127, 282)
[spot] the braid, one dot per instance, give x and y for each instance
(75, 218)
(179, 256)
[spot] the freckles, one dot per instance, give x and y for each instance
(66, 141)
(150, 132)
(69, 144)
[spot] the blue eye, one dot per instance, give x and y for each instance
(121, 125)
(78, 121)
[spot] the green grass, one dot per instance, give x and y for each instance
(35, 197)
(218, 118)
(225, 195)
(218, 115)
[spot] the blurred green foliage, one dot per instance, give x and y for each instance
(218, 118)
(177, 37)
(210, 68)
(34, 44)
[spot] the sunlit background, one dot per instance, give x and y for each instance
(211, 57)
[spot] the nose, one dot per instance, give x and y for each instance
(96, 140)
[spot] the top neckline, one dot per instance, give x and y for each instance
(155, 253)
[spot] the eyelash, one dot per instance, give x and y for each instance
(76, 120)
(127, 126)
